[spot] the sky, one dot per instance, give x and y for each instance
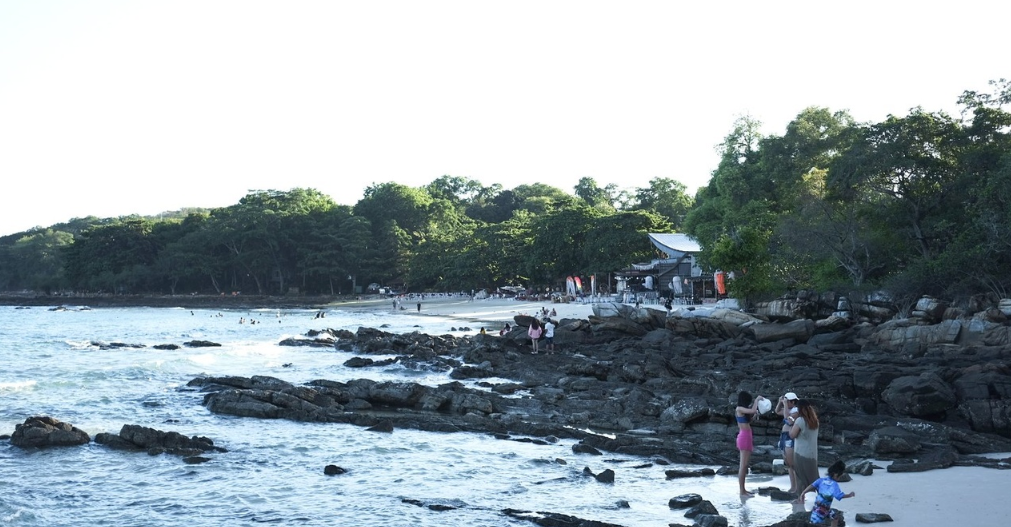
(111, 108)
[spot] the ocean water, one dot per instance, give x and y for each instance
(52, 363)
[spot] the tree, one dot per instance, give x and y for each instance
(665, 197)
(35, 261)
(539, 198)
(745, 253)
(912, 161)
(457, 190)
(594, 196)
(117, 257)
(264, 229)
(554, 252)
(615, 241)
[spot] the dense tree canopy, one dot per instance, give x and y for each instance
(916, 204)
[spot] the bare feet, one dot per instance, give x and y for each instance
(746, 494)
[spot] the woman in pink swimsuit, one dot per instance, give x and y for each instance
(747, 409)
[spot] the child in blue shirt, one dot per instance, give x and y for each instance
(826, 489)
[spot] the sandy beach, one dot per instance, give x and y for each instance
(492, 313)
(954, 496)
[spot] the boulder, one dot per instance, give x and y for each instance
(798, 330)
(612, 309)
(711, 520)
(923, 395)
(785, 309)
(872, 517)
(686, 410)
(45, 431)
(893, 440)
(136, 437)
(930, 309)
(704, 328)
(702, 508)
(684, 501)
(943, 458)
(733, 316)
(618, 325)
(906, 336)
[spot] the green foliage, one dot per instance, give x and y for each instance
(667, 198)
(920, 204)
(745, 253)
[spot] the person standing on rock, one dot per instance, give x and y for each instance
(787, 407)
(549, 336)
(746, 410)
(534, 332)
(805, 448)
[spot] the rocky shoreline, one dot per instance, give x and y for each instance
(664, 392)
(924, 394)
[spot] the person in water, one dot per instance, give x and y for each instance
(746, 411)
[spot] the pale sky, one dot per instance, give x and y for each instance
(110, 108)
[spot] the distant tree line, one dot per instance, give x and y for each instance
(914, 205)
(452, 234)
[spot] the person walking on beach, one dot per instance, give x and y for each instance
(419, 307)
(804, 432)
(534, 332)
(787, 407)
(826, 489)
(746, 410)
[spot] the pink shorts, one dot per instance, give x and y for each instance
(745, 440)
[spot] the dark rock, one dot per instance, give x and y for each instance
(711, 520)
(923, 395)
(684, 501)
(201, 344)
(607, 476)
(870, 517)
(384, 426)
(893, 440)
(860, 466)
(358, 362)
(195, 460)
(581, 448)
(694, 473)
(323, 342)
(782, 495)
(704, 507)
(333, 470)
(166, 346)
(930, 461)
(666, 395)
(142, 438)
(45, 431)
(551, 519)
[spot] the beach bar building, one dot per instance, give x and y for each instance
(676, 274)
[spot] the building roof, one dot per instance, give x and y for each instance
(674, 244)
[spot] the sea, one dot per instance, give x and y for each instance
(61, 363)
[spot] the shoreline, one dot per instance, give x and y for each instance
(492, 312)
(911, 499)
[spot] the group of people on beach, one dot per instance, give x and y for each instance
(798, 440)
